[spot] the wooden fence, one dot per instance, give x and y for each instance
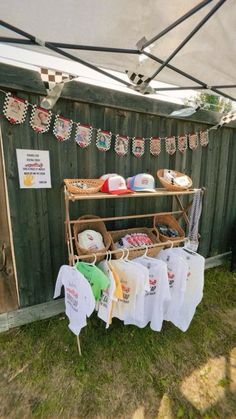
(37, 216)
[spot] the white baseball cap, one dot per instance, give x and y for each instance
(105, 177)
(115, 185)
(143, 182)
(91, 240)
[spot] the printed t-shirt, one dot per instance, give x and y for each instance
(79, 299)
(97, 279)
(134, 281)
(108, 295)
(118, 290)
(177, 275)
(154, 300)
(194, 288)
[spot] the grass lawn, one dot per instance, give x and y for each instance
(125, 371)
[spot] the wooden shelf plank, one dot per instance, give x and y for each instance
(99, 195)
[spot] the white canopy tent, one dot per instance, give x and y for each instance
(190, 44)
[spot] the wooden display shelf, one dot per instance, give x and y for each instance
(100, 195)
(160, 192)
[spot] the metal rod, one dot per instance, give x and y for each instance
(185, 41)
(169, 89)
(177, 22)
(63, 53)
(6, 39)
(188, 76)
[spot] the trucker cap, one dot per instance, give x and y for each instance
(115, 185)
(91, 240)
(142, 182)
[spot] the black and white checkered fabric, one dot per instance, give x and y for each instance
(226, 119)
(137, 79)
(52, 77)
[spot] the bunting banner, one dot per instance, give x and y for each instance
(182, 143)
(121, 145)
(40, 119)
(103, 141)
(83, 135)
(62, 128)
(138, 146)
(15, 109)
(193, 141)
(155, 146)
(170, 145)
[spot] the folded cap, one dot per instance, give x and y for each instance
(91, 240)
(142, 182)
(115, 185)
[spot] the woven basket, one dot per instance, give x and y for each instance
(133, 252)
(97, 226)
(168, 185)
(94, 185)
(170, 221)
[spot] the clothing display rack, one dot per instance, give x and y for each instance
(160, 192)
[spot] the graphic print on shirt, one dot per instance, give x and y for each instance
(126, 291)
(72, 297)
(105, 297)
(153, 285)
(171, 276)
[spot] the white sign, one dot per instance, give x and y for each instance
(33, 168)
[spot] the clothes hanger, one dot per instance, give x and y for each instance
(127, 255)
(145, 255)
(123, 254)
(94, 261)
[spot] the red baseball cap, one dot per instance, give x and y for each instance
(115, 185)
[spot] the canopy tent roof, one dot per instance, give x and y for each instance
(106, 34)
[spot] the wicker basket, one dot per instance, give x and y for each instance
(168, 185)
(170, 221)
(97, 226)
(93, 186)
(133, 252)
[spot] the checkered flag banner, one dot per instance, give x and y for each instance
(52, 77)
(226, 119)
(137, 79)
(54, 82)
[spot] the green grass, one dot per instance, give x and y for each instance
(122, 368)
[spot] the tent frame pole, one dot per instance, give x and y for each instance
(187, 39)
(61, 52)
(176, 23)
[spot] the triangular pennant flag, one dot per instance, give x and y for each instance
(52, 77)
(137, 79)
(226, 119)
(54, 82)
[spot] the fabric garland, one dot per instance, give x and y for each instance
(15, 110)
